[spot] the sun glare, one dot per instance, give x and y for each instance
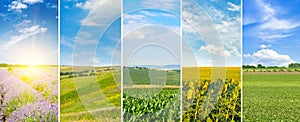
(31, 57)
(31, 65)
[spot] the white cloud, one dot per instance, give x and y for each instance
(86, 38)
(49, 5)
(33, 1)
(247, 55)
(67, 42)
(24, 34)
(215, 23)
(90, 4)
(211, 24)
(66, 7)
(263, 46)
(161, 4)
(215, 50)
(98, 15)
(134, 20)
(157, 36)
(147, 13)
(24, 23)
(79, 5)
(17, 5)
(267, 10)
(233, 7)
(270, 27)
(94, 60)
(277, 24)
(274, 36)
(270, 57)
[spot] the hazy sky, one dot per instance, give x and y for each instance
(28, 31)
(271, 32)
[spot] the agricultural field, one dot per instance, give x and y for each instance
(205, 99)
(92, 94)
(151, 97)
(28, 94)
(271, 97)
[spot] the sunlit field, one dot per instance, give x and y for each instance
(29, 93)
(271, 96)
(211, 99)
(90, 95)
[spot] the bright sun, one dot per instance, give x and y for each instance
(31, 57)
(31, 65)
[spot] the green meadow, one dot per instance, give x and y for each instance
(271, 97)
(89, 85)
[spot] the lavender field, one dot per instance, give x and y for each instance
(28, 94)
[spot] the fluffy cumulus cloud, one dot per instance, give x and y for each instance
(17, 5)
(212, 49)
(269, 57)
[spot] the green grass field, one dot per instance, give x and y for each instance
(141, 77)
(271, 97)
(90, 98)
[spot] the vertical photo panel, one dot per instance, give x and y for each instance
(29, 60)
(271, 60)
(211, 60)
(151, 60)
(90, 79)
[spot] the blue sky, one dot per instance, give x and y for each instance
(218, 42)
(90, 35)
(271, 32)
(28, 31)
(151, 31)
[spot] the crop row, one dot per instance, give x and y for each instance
(20, 101)
(151, 104)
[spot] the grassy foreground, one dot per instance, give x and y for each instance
(90, 95)
(271, 97)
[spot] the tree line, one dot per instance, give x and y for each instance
(291, 65)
